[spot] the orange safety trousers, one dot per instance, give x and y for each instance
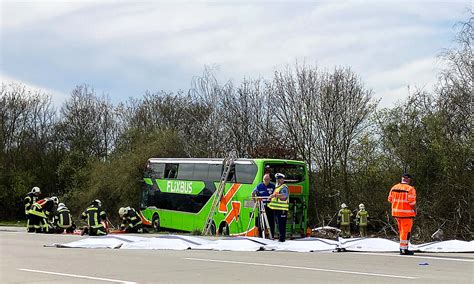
(404, 229)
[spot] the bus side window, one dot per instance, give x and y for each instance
(215, 172)
(156, 170)
(171, 171)
(245, 173)
(186, 171)
(200, 172)
(231, 176)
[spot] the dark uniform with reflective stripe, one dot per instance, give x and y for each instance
(94, 215)
(40, 213)
(132, 222)
(29, 200)
(63, 221)
(362, 220)
(344, 219)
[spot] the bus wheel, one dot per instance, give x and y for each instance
(213, 228)
(224, 229)
(156, 222)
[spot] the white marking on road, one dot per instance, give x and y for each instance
(415, 256)
(303, 268)
(78, 276)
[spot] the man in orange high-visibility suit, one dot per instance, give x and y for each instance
(403, 199)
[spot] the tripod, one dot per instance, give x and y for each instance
(262, 217)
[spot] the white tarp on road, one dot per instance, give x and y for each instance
(177, 242)
(369, 245)
(304, 245)
(446, 246)
(238, 244)
(101, 242)
(171, 242)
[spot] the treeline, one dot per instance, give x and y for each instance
(91, 148)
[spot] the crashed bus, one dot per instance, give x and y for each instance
(178, 194)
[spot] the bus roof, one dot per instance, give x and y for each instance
(214, 160)
(197, 161)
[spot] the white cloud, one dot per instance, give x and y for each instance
(391, 44)
(393, 85)
(56, 97)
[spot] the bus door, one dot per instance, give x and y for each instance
(295, 175)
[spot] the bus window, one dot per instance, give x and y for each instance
(231, 176)
(215, 172)
(186, 171)
(200, 172)
(155, 171)
(245, 173)
(171, 171)
(293, 173)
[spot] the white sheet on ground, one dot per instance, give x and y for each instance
(446, 246)
(170, 242)
(180, 242)
(237, 244)
(369, 245)
(304, 245)
(101, 242)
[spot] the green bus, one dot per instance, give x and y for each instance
(178, 194)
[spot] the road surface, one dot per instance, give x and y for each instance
(24, 259)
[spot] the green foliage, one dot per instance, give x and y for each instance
(117, 182)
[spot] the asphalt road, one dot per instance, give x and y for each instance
(24, 259)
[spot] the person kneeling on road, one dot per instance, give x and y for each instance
(40, 213)
(62, 220)
(131, 221)
(94, 216)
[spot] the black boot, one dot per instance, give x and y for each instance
(406, 252)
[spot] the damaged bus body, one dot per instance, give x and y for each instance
(178, 194)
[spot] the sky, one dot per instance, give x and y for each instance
(124, 48)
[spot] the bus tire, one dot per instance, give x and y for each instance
(224, 229)
(155, 222)
(213, 228)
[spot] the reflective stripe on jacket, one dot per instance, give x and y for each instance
(361, 217)
(131, 218)
(403, 199)
(92, 214)
(345, 216)
(63, 218)
(278, 204)
(29, 200)
(37, 210)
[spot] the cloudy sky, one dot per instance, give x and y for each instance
(124, 48)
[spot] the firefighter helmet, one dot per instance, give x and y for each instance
(97, 202)
(361, 206)
(36, 190)
(122, 211)
(55, 200)
(343, 205)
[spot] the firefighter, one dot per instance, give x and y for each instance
(63, 220)
(279, 203)
(362, 220)
(344, 221)
(131, 220)
(402, 196)
(41, 212)
(94, 216)
(29, 200)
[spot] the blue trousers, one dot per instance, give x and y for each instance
(280, 216)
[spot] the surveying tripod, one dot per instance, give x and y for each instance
(264, 225)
